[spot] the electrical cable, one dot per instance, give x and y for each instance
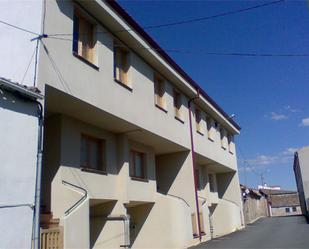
(19, 28)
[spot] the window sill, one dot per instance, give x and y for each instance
(134, 178)
(101, 172)
(211, 139)
(85, 61)
(223, 147)
(126, 86)
(231, 152)
(179, 119)
(199, 132)
(161, 108)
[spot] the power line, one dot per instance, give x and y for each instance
(28, 66)
(19, 28)
(204, 52)
(227, 13)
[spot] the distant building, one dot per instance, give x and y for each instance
(282, 202)
(301, 171)
(19, 129)
(254, 204)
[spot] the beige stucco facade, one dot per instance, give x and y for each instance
(85, 99)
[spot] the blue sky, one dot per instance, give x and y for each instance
(269, 95)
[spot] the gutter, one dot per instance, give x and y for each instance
(193, 164)
(126, 223)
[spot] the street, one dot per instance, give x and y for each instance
(278, 232)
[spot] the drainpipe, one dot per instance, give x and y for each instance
(36, 232)
(126, 223)
(193, 162)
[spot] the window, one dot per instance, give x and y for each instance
(159, 88)
(294, 209)
(137, 165)
(222, 138)
(177, 105)
(83, 37)
(198, 179)
(198, 121)
(287, 210)
(121, 64)
(92, 153)
(230, 143)
(209, 128)
(211, 183)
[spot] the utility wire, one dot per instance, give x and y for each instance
(202, 51)
(28, 66)
(227, 13)
(19, 28)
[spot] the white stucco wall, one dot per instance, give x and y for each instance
(18, 151)
(15, 43)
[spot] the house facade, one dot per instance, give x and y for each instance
(136, 154)
(301, 171)
(19, 128)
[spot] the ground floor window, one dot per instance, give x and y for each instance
(287, 210)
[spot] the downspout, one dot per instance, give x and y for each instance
(126, 223)
(36, 232)
(193, 162)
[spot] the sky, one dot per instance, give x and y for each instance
(269, 95)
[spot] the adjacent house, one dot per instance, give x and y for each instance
(254, 204)
(301, 171)
(20, 128)
(136, 154)
(282, 202)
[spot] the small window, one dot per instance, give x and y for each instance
(230, 144)
(211, 183)
(209, 128)
(92, 153)
(177, 104)
(137, 165)
(83, 37)
(222, 138)
(159, 89)
(287, 210)
(198, 121)
(294, 209)
(121, 64)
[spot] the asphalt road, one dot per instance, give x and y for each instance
(277, 232)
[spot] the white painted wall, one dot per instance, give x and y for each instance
(16, 47)
(18, 151)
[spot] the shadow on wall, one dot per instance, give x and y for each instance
(138, 216)
(98, 215)
(223, 182)
(18, 104)
(167, 169)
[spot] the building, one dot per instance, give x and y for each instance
(20, 129)
(282, 202)
(301, 171)
(136, 154)
(254, 204)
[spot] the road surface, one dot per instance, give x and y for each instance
(277, 232)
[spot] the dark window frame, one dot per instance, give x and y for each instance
(132, 168)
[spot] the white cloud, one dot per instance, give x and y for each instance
(277, 116)
(304, 122)
(290, 109)
(289, 151)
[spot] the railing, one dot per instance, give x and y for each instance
(51, 238)
(180, 198)
(68, 211)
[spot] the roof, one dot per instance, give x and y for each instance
(27, 91)
(252, 192)
(277, 192)
(120, 11)
(284, 200)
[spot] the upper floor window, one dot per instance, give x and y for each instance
(211, 181)
(198, 121)
(177, 104)
(137, 164)
(209, 123)
(230, 143)
(159, 89)
(121, 64)
(222, 138)
(83, 37)
(92, 153)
